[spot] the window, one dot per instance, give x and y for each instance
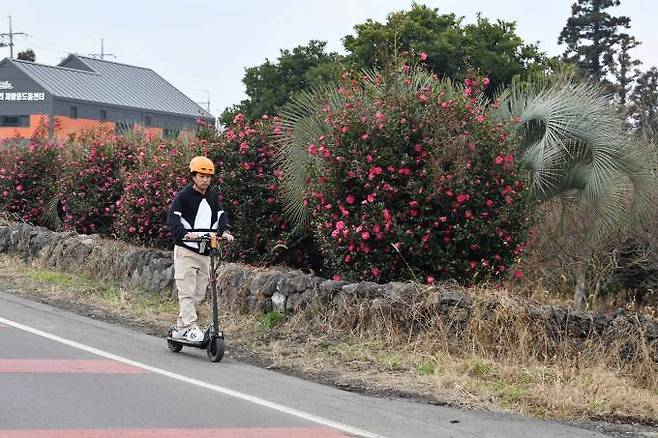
(123, 127)
(170, 134)
(147, 121)
(103, 115)
(15, 121)
(74, 112)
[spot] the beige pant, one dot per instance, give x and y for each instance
(191, 272)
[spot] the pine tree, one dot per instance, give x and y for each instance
(625, 69)
(589, 21)
(644, 104)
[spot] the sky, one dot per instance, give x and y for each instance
(203, 47)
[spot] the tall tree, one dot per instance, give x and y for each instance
(644, 104)
(591, 22)
(492, 48)
(271, 84)
(27, 55)
(625, 67)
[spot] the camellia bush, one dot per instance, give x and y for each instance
(28, 176)
(90, 167)
(248, 183)
(400, 175)
(160, 170)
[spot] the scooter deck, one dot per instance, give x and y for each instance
(200, 344)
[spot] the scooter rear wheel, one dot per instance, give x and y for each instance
(174, 347)
(215, 349)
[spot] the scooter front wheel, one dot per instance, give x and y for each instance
(174, 347)
(215, 349)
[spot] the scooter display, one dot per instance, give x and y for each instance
(213, 339)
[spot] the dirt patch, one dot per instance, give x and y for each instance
(409, 368)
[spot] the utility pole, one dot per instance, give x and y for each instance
(207, 101)
(11, 39)
(102, 55)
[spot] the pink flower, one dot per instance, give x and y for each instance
(423, 56)
(376, 272)
(518, 274)
(374, 171)
(413, 204)
(462, 198)
(379, 116)
(490, 203)
(365, 235)
(468, 214)
(473, 264)
(480, 118)
(336, 277)
(404, 171)
(340, 225)
(430, 280)
(312, 149)
(371, 197)
(387, 215)
(350, 199)
(244, 147)
(500, 160)
(19, 188)
(364, 136)
(486, 82)
(5, 193)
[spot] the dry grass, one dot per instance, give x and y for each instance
(497, 361)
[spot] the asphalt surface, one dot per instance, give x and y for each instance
(65, 375)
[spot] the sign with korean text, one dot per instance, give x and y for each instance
(21, 97)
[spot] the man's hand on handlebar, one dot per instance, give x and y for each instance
(191, 236)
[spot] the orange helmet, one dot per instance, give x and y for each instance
(202, 165)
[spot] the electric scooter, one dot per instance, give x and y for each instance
(213, 339)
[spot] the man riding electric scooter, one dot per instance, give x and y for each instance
(195, 215)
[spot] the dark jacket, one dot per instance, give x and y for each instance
(192, 211)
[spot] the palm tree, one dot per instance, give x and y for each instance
(576, 150)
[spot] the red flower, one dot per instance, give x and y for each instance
(350, 199)
(518, 274)
(376, 272)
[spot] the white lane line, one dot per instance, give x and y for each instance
(250, 398)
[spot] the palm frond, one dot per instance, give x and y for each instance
(570, 138)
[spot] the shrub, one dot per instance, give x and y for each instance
(90, 184)
(249, 188)
(159, 172)
(28, 175)
(411, 180)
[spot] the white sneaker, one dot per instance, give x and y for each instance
(179, 333)
(194, 335)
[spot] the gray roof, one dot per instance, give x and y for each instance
(111, 83)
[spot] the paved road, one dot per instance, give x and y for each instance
(64, 375)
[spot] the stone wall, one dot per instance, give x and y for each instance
(250, 289)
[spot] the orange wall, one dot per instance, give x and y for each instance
(67, 126)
